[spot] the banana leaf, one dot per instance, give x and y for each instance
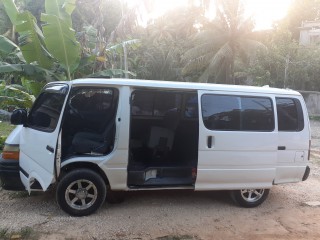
(32, 86)
(31, 41)
(111, 73)
(61, 42)
(61, 8)
(90, 36)
(11, 11)
(7, 46)
(10, 95)
(118, 48)
(30, 71)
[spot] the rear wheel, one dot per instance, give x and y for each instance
(249, 197)
(81, 192)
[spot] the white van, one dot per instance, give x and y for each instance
(92, 137)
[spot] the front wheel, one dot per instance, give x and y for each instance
(81, 192)
(249, 197)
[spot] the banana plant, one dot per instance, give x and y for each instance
(58, 29)
(67, 52)
(122, 50)
(7, 46)
(55, 44)
(111, 73)
(20, 67)
(15, 95)
(31, 38)
(54, 47)
(30, 71)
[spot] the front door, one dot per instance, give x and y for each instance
(38, 139)
(237, 141)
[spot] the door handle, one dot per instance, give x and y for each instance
(50, 149)
(209, 141)
(281, 147)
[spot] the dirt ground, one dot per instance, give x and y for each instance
(176, 215)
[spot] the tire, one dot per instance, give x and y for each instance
(249, 198)
(81, 192)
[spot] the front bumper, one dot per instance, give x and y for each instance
(9, 175)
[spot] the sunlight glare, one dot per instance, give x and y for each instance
(164, 6)
(265, 12)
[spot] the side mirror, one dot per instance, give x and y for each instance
(19, 116)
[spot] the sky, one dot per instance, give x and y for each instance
(267, 11)
(263, 11)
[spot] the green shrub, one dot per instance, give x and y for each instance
(315, 118)
(2, 140)
(4, 117)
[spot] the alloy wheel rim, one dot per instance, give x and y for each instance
(251, 195)
(81, 194)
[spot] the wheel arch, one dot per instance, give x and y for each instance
(87, 165)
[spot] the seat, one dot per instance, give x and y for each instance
(94, 143)
(161, 137)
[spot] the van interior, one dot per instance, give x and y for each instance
(163, 143)
(164, 130)
(89, 122)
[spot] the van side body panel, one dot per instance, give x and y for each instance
(236, 159)
(292, 162)
(116, 166)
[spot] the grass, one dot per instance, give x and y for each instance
(26, 233)
(5, 128)
(315, 118)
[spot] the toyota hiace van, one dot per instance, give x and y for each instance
(93, 137)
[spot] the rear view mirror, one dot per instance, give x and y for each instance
(19, 116)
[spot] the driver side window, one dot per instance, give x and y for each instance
(89, 100)
(91, 108)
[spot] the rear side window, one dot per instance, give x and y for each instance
(165, 102)
(153, 103)
(191, 109)
(142, 103)
(237, 113)
(290, 115)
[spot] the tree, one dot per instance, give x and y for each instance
(55, 44)
(299, 11)
(163, 42)
(47, 53)
(269, 66)
(221, 42)
(285, 64)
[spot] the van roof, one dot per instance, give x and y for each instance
(181, 85)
